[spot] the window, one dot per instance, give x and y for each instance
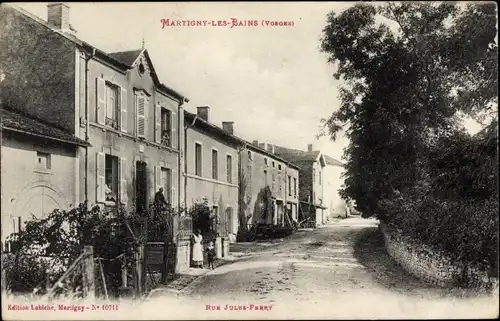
(279, 167)
(289, 185)
(265, 177)
(314, 175)
(319, 178)
(197, 159)
(295, 187)
(215, 164)
(166, 127)
(265, 161)
(250, 157)
(111, 178)
(43, 160)
(273, 164)
(229, 161)
(111, 106)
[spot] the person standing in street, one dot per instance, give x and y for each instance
(211, 255)
(198, 249)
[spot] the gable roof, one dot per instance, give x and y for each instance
(120, 60)
(17, 122)
(126, 57)
(300, 156)
(198, 122)
(332, 161)
(297, 155)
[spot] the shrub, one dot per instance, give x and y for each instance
(60, 237)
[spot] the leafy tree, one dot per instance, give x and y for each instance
(408, 69)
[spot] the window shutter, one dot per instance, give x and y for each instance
(123, 106)
(157, 178)
(100, 100)
(173, 123)
(141, 116)
(100, 179)
(123, 181)
(174, 188)
(158, 123)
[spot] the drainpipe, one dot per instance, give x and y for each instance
(185, 163)
(181, 157)
(87, 117)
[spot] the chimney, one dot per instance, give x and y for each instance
(270, 148)
(263, 146)
(310, 147)
(228, 126)
(255, 143)
(203, 112)
(58, 16)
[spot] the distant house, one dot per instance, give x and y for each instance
(212, 159)
(311, 188)
(333, 171)
(268, 187)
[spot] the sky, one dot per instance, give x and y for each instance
(273, 82)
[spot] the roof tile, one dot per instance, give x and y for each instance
(13, 120)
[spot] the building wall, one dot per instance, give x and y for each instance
(333, 182)
(306, 181)
(29, 188)
(318, 183)
(292, 192)
(256, 188)
(219, 192)
(312, 190)
(41, 67)
(123, 141)
(432, 265)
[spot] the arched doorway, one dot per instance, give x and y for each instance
(36, 201)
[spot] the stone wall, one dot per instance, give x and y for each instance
(431, 265)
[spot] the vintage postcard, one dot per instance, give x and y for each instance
(249, 160)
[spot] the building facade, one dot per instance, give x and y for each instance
(268, 187)
(334, 181)
(133, 124)
(311, 187)
(39, 170)
(114, 102)
(212, 159)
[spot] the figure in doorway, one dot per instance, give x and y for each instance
(197, 249)
(110, 195)
(160, 198)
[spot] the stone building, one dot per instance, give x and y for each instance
(333, 171)
(311, 187)
(212, 159)
(268, 186)
(123, 121)
(39, 169)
